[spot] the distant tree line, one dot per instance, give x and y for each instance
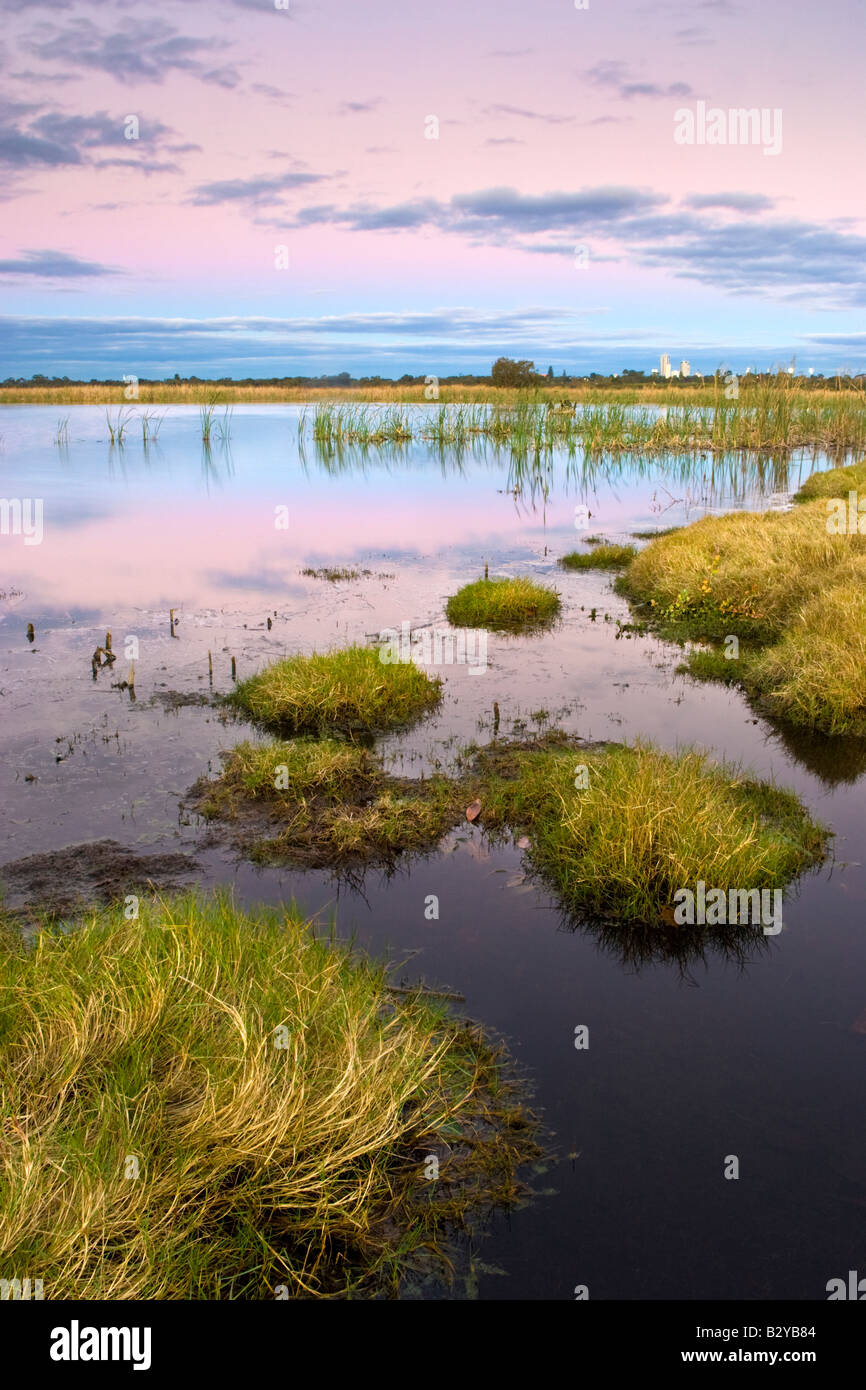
(506, 372)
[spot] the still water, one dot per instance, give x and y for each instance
(759, 1055)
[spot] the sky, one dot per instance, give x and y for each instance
(281, 187)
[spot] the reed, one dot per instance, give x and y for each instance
(774, 416)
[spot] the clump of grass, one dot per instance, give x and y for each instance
(782, 580)
(602, 557)
(642, 824)
(118, 423)
(654, 535)
(711, 664)
(833, 482)
(334, 575)
(276, 1098)
(325, 801)
(350, 690)
(502, 604)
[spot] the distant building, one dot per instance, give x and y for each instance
(654, 371)
(665, 364)
(685, 368)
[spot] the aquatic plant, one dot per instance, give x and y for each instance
(502, 604)
(349, 689)
(601, 557)
(617, 831)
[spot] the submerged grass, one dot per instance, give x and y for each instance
(205, 1104)
(502, 604)
(351, 690)
(601, 557)
(786, 585)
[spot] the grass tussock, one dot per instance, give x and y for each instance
(319, 803)
(782, 581)
(614, 830)
(502, 604)
(601, 557)
(641, 824)
(202, 1104)
(349, 690)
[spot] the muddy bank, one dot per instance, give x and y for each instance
(64, 881)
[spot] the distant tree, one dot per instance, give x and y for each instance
(506, 372)
(550, 374)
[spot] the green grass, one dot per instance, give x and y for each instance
(646, 824)
(781, 581)
(833, 482)
(654, 535)
(325, 802)
(601, 557)
(502, 604)
(711, 664)
(153, 1046)
(349, 690)
(770, 414)
(335, 574)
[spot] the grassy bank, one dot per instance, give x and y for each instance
(204, 1104)
(502, 605)
(793, 592)
(615, 831)
(350, 690)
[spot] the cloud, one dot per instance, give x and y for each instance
(137, 51)
(620, 78)
(735, 202)
(492, 213)
(54, 265)
(357, 108)
(254, 191)
(53, 78)
(770, 258)
(53, 139)
(440, 340)
(264, 89)
(767, 258)
(500, 109)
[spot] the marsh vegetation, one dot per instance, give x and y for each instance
(209, 1104)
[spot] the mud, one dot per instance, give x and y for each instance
(102, 871)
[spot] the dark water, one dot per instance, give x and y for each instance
(752, 1053)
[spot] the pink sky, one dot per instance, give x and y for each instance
(261, 128)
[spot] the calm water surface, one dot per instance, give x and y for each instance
(760, 1054)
